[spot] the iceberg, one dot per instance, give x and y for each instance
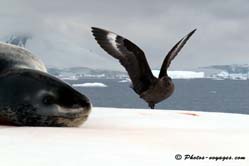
(88, 84)
(124, 80)
(181, 74)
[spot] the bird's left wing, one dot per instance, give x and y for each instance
(129, 55)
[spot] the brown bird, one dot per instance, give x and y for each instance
(153, 90)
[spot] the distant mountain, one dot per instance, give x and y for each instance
(234, 71)
(218, 72)
(19, 40)
(74, 73)
(235, 68)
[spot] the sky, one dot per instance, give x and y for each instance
(61, 34)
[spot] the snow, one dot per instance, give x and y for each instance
(95, 75)
(94, 84)
(233, 76)
(181, 74)
(127, 137)
(68, 77)
(124, 80)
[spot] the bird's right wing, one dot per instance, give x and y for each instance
(129, 55)
(173, 52)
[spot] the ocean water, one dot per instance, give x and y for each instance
(230, 96)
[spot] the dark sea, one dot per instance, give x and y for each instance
(231, 96)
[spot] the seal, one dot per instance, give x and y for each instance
(14, 57)
(29, 96)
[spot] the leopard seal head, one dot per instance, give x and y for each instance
(35, 98)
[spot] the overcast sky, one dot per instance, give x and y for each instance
(61, 36)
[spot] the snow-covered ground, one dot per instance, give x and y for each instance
(232, 76)
(90, 84)
(127, 137)
(68, 77)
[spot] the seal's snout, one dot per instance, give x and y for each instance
(74, 109)
(80, 100)
(86, 104)
(82, 103)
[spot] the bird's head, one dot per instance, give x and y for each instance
(166, 81)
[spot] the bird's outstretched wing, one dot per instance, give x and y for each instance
(173, 52)
(129, 55)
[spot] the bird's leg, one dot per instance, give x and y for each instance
(151, 105)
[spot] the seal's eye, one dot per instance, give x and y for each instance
(48, 100)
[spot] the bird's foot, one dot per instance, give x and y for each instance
(151, 105)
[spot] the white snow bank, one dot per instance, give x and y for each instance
(124, 80)
(233, 76)
(94, 84)
(181, 74)
(127, 137)
(68, 77)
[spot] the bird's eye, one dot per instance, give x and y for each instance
(48, 100)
